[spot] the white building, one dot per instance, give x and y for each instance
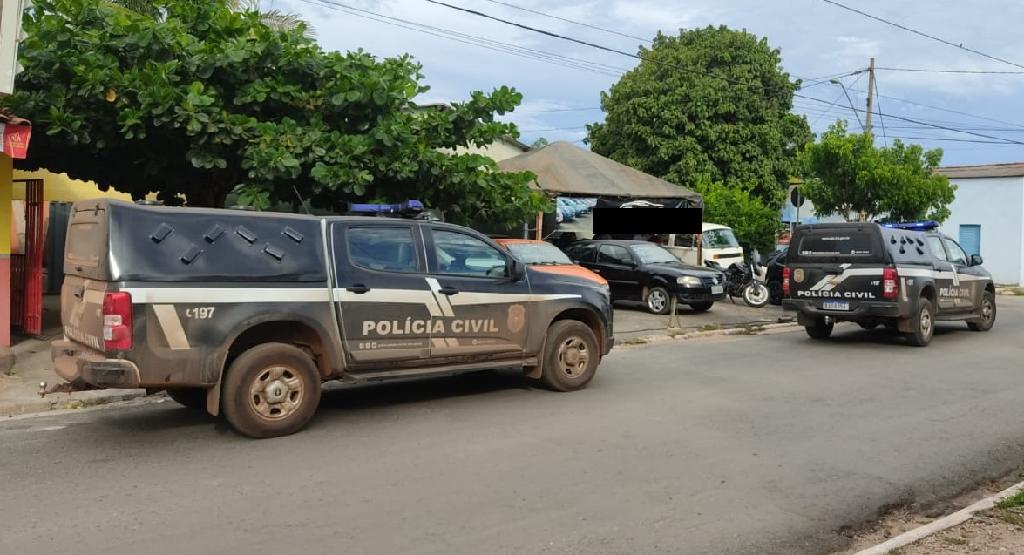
(988, 216)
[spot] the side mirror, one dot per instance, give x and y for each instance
(517, 270)
(976, 260)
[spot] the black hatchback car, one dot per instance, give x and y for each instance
(643, 271)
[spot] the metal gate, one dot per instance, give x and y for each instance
(27, 268)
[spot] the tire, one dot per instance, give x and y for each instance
(191, 397)
(922, 325)
(659, 301)
(287, 400)
(820, 330)
(571, 356)
(701, 307)
(755, 295)
(988, 313)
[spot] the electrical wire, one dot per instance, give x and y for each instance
(969, 71)
(833, 103)
(878, 106)
(922, 34)
(567, 20)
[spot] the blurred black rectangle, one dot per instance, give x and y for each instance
(618, 221)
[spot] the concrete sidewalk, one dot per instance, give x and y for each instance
(19, 387)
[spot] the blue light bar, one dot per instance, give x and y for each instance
(409, 207)
(926, 225)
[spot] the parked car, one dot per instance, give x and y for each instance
(545, 257)
(567, 209)
(774, 265)
(645, 272)
(718, 244)
(249, 312)
(906, 277)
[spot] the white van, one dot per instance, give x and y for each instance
(718, 243)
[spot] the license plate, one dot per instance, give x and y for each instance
(717, 289)
(836, 305)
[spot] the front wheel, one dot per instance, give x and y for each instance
(987, 318)
(755, 295)
(571, 356)
(922, 326)
(271, 390)
(658, 300)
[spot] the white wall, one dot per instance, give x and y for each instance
(997, 205)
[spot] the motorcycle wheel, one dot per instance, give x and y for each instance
(756, 295)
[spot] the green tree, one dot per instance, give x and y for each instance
(539, 143)
(710, 109)
(204, 101)
(852, 177)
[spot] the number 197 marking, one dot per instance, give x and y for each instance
(200, 313)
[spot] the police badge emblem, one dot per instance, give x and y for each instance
(516, 318)
(798, 275)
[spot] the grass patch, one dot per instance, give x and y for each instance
(1010, 516)
(751, 330)
(897, 551)
(710, 327)
(1012, 501)
(635, 341)
(1017, 290)
(953, 540)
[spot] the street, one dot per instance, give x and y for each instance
(760, 444)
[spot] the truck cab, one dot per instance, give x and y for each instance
(248, 313)
(718, 244)
(904, 276)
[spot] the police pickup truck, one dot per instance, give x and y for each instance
(248, 313)
(905, 276)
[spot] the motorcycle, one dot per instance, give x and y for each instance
(744, 281)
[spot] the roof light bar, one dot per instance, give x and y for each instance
(925, 225)
(407, 209)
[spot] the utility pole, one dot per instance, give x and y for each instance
(871, 93)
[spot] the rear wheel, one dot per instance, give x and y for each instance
(819, 329)
(701, 307)
(658, 300)
(922, 326)
(987, 317)
(271, 390)
(191, 397)
(570, 357)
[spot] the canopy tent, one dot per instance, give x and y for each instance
(564, 169)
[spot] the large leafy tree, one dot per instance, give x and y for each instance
(850, 176)
(710, 109)
(204, 100)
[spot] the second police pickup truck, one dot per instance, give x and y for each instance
(249, 313)
(904, 276)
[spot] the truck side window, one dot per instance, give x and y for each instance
(461, 254)
(956, 254)
(935, 244)
(386, 249)
(684, 240)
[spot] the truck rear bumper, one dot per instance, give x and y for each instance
(859, 311)
(80, 365)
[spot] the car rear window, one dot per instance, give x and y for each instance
(838, 244)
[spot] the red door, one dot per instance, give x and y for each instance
(27, 278)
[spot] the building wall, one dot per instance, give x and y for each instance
(6, 172)
(497, 151)
(59, 187)
(997, 205)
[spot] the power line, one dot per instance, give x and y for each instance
(878, 105)
(940, 109)
(953, 139)
(969, 71)
(567, 20)
(922, 34)
(590, 109)
(577, 128)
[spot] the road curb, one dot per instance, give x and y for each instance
(944, 523)
(669, 335)
(64, 403)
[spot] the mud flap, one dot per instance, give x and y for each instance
(213, 400)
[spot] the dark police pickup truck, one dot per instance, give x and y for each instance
(248, 313)
(905, 276)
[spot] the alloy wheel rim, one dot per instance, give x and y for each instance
(573, 357)
(656, 300)
(986, 310)
(757, 294)
(276, 393)
(926, 323)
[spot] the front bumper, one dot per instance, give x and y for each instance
(697, 295)
(859, 310)
(81, 366)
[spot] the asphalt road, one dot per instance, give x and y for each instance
(767, 444)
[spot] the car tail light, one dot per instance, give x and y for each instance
(785, 281)
(890, 283)
(117, 321)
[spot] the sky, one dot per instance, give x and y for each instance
(819, 41)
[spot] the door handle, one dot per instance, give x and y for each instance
(358, 288)
(596, 270)
(448, 291)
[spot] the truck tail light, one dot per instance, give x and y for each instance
(117, 321)
(890, 283)
(785, 281)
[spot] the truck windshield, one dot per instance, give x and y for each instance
(653, 254)
(539, 253)
(722, 238)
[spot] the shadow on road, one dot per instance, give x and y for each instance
(370, 396)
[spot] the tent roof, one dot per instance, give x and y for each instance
(567, 169)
